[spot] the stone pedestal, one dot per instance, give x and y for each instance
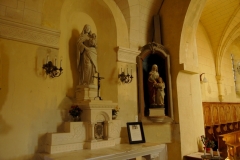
(97, 129)
(156, 112)
(98, 113)
(76, 137)
(86, 92)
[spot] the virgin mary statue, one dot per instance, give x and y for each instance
(87, 56)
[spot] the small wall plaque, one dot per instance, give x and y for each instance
(135, 132)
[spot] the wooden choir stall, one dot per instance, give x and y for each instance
(222, 122)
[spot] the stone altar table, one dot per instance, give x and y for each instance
(149, 151)
(97, 129)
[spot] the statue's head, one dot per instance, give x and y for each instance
(94, 36)
(154, 67)
(87, 28)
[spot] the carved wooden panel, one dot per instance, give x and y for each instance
(221, 119)
(228, 113)
(216, 113)
(222, 115)
(238, 112)
(234, 113)
(207, 115)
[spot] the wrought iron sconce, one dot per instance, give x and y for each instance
(203, 80)
(125, 78)
(51, 69)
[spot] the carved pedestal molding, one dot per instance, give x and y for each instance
(220, 88)
(127, 55)
(30, 34)
(86, 92)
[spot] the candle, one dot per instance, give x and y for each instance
(55, 61)
(211, 151)
(60, 63)
(47, 58)
(218, 153)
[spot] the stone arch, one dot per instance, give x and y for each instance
(148, 50)
(188, 35)
(234, 34)
(102, 117)
(113, 32)
(230, 34)
(188, 101)
(121, 26)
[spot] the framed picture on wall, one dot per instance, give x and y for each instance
(135, 132)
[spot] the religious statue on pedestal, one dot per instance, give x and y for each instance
(87, 56)
(156, 88)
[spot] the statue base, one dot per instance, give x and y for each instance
(86, 92)
(156, 112)
(157, 106)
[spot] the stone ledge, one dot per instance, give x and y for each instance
(30, 34)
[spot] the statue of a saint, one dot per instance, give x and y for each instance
(87, 56)
(156, 88)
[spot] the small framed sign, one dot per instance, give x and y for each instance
(135, 132)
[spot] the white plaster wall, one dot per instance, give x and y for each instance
(127, 95)
(231, 94)
(206, 63)
(190, 112)
(31, 103)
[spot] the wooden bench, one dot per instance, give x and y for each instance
(232, 140)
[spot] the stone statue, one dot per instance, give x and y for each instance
(156, 88)
(87, 56)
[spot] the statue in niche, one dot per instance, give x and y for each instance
(156, 88)
(87, 56)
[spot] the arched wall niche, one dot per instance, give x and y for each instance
(74, 15)
(153, 53)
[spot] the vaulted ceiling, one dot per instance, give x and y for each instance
(219, 17)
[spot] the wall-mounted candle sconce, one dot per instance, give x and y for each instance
(125, 78)
(203, 79)
(52, 69)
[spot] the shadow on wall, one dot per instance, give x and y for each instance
(64, 107)
(73, 61)
(4, 67)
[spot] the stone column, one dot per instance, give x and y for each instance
(220, 88)
(105, 130)
(90, 131)
(109, 129)
(237, 75)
